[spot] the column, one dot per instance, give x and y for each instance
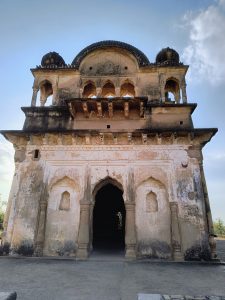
(81, 92)
(183, 90)
(175, 232)
(162, 88)
(136, 89)
(130, 237)
(55, 95)
(98, 91)
(177, 96)
(43, 99)
(117, 91)
(84, 231)
(40, 238)
(34, 96)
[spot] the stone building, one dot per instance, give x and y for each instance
(113, 161)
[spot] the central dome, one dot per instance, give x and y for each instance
(139, 55)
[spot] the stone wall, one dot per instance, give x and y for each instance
(159, 175)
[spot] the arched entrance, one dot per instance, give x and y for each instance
(109, 219)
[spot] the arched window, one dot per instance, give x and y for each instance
(127, 90)
(89, 90)
(151, 202)
(172, 90)
(108, 90)
(65, 201)
(46, 91)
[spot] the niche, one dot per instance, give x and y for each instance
(151, 202)
(65, 201)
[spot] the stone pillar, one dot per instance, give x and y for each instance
(81, 92)
(84, 231)
(55, 95)
(98, 91)
(162, 88)
(136, 89)
(177, 96)
(130, 235)
(43, 99)
(175, 232)
(40, 238)
(117, 91)
(183, 89)
(34, 96)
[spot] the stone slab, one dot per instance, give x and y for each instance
(177, 297)
(149, 297)
(8, 296)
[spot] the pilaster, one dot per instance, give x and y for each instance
(130, 237)
(84, 231)
(175, 232)
(40, 237)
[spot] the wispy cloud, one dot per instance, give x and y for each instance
(205, 51)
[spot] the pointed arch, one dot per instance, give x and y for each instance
(109, 215)
(89, 90)
(108, 89)
(46, 90)
(127, 89)
(153, 181)
(105, 181)
(172, 87)
(62, 180)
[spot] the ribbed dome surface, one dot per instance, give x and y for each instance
(168, 56)
(52, 59)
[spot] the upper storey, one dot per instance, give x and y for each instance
(110, 69)
(112, 86)
(112, 91)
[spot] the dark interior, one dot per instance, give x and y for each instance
(109, 219)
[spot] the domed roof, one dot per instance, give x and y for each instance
(168, 56)
(52, 59)
(140, 56)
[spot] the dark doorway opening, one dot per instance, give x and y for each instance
(109, 219)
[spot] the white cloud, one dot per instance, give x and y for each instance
(206, 49)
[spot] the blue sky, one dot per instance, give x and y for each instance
(195, 28)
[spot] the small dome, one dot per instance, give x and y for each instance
(52, 59)
(168, 56)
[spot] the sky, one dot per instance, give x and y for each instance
(194, 28)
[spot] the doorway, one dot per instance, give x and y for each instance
(109, 219)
